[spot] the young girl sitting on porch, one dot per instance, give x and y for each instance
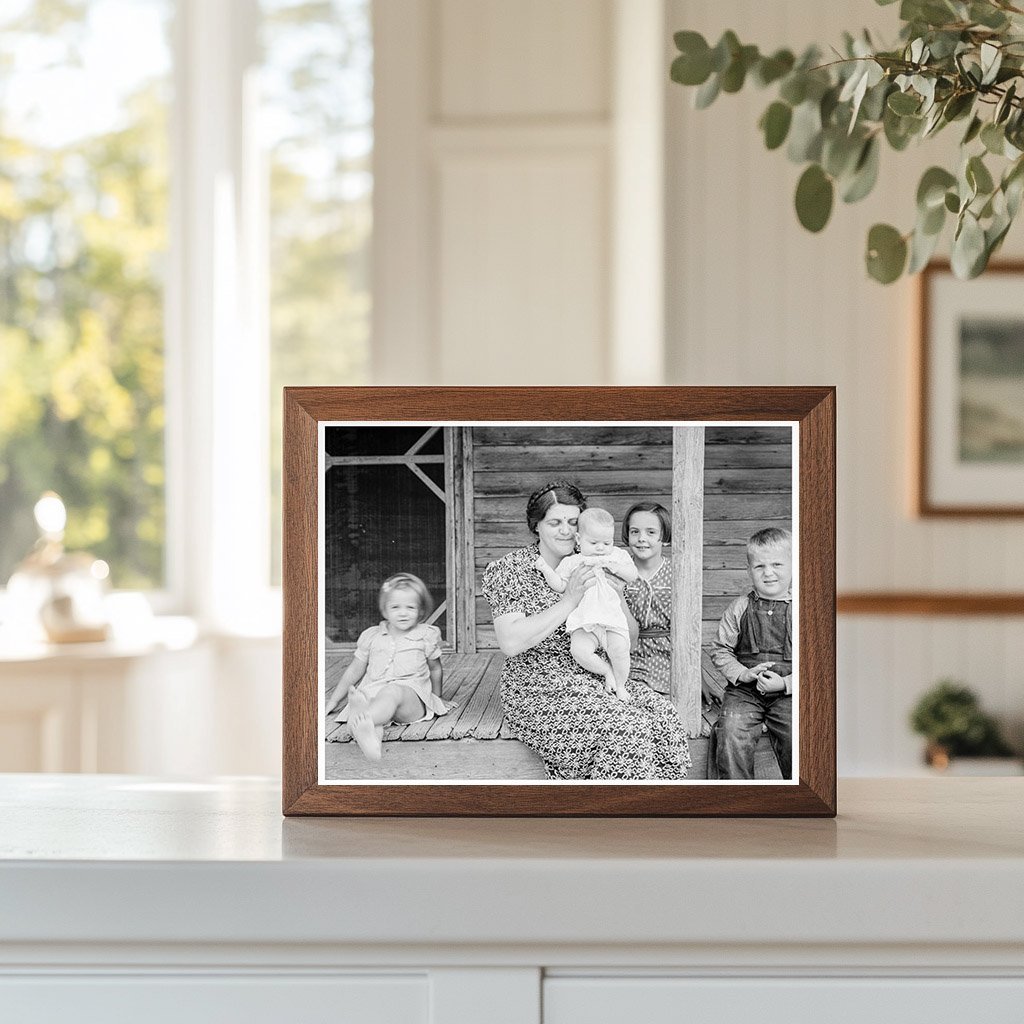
(598, 621)
(402, 657)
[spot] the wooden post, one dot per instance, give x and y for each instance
(465, 548)
(687, 572)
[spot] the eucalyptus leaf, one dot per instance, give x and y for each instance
(968, 247)
(805, 133)
(993, 138)
(873, 106)
(865, 174)
(1004, 106)
(1013, 187)
(925, 88)
(972, 131)
(900, 130)
(775, 123)
(735, 74)
(707, 93)
(994, 235)
(931, 190)
(1013, 191)
(991, 59)
(943, 44)
(958, 105)
(794, 88)
(771, 69)
(952, 202)
(987, 15)
(886, 253)
(828, 104)
(693, 65)
(922, 248)
(932, 221)
(978, 175)
(840, 152)
(724, 51)
(903, 103)
(814, 194)
(934, 121)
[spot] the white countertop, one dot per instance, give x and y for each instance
(125, 859)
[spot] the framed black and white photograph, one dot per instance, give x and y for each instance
(559, 601)
(970, 452)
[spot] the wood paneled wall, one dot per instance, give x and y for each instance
(747, 485)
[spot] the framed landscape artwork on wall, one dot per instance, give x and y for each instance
(558, 601)
(970, 450)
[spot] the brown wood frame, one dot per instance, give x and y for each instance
(929, 603)
(812, 407)
(922, 503)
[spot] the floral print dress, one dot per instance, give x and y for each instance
(650, 602)
(562, 711)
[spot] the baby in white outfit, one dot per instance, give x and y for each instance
(598, 621)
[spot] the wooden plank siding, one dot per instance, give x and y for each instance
(747, 486)
(614, 467)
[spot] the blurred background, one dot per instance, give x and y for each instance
(202, 201)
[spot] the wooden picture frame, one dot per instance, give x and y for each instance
(969, 449)
(694, 415)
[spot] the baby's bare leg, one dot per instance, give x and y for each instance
(617, 647)
(584, 652)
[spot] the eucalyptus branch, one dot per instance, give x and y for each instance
(833, 118)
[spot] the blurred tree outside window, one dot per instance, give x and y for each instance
(85, 93)
(317, 125)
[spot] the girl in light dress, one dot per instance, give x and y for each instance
(401, 658)
(646, 530)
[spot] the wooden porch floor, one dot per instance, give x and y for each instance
(452, 749)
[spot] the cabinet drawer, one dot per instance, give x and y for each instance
(675, 1000)
(222, 999)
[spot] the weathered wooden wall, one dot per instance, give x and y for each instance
(747, 483)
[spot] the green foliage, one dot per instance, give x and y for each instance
(320, 204)
(949, 716)
(82, 233)
(955, 61)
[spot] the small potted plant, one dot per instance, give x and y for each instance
(950, 717)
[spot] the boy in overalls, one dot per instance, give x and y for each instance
(754, 651)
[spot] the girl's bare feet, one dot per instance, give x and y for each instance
(357, 704)
(364, 732)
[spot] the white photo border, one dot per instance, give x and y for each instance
(324, 425)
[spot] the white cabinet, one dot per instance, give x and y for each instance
(204, 999)
(824, 1000)
(132, 898)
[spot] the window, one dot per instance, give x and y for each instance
(185, 221)
(83, 237)
(317, 118)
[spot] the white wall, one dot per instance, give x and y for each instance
(514, 144)
(755, 299)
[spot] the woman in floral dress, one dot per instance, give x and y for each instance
(552, 705)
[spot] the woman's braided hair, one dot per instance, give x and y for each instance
(558, 492)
